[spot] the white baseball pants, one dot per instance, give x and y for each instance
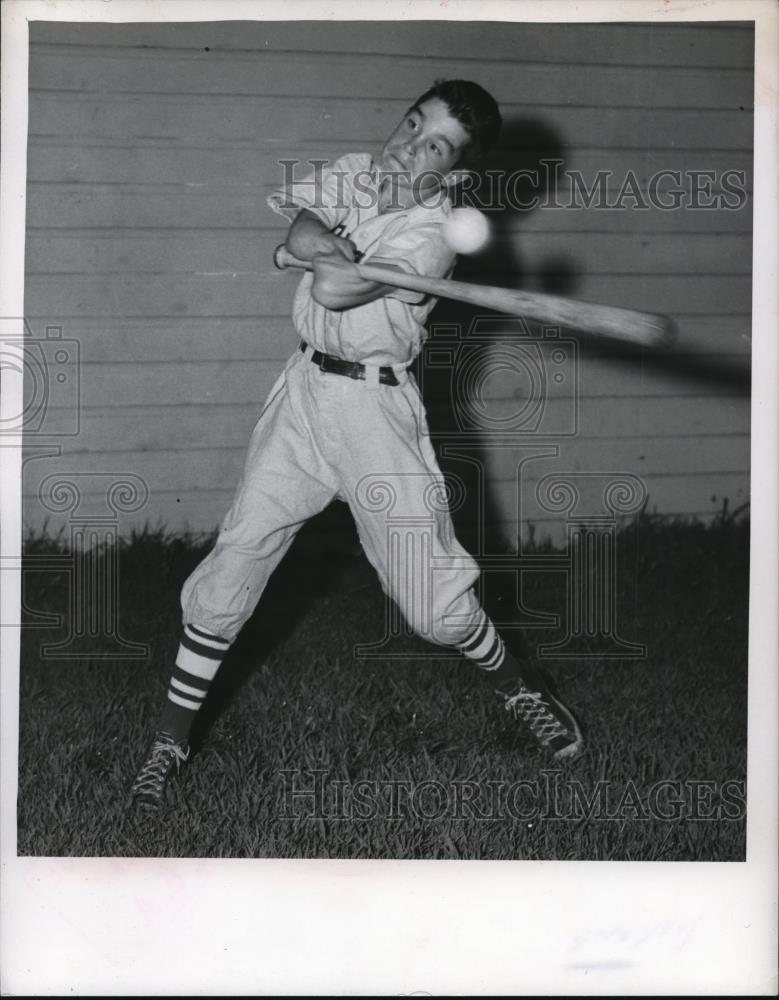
(322, 436)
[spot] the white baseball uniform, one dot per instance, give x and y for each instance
(322, 436)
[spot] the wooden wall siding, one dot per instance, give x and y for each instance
(152, 148)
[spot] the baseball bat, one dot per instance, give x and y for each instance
(645, 329)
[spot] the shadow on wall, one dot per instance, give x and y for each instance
(727, 373)
(515, 176)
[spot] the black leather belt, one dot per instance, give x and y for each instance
(351, 369)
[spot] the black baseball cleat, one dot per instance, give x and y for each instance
(165, 757)
(531, 701)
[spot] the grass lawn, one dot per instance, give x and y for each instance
(414, 757)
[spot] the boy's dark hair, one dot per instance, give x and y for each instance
(475, 109)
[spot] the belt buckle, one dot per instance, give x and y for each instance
(324, 365)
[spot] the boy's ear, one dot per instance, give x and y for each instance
(458, 176)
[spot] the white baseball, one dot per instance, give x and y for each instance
(466, 230)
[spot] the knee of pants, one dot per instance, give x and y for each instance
(445, 623)
(222, 592)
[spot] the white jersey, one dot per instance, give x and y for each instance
(391, 329)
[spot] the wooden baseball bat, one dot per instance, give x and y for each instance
(645, 329)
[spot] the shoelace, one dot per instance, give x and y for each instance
(531, 708)
(152, 775)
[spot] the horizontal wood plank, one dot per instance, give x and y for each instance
(719, 45)
(350, 120)
(266, 339)
(215, 167)
(87, 69)
(68, 206)
(137, 383)
(229, 294)
(163, 425)
(186, 469)
(140, 252)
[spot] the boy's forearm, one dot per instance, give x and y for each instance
(332, 296)
(309, 236)
(339, 285)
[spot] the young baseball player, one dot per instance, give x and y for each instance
(345, 420)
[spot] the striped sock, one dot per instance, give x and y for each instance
(487, 650)
(199, 656)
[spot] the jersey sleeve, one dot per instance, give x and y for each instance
(325, 189)
(418, 250)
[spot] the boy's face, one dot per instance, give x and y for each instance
(427, 144)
